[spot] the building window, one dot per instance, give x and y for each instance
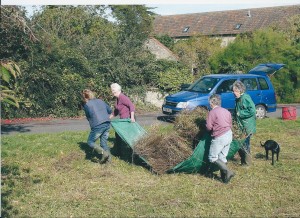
(238, 26)
(186, 29)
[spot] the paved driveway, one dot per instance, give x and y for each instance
(61, 125)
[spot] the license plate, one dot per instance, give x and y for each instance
(167, 110)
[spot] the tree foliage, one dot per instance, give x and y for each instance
(76, 48)
(196, 52)
(264, 46)
(64, 49)
(8, 74)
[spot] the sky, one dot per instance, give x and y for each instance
(166, 7)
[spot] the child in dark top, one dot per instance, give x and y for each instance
(97, 113)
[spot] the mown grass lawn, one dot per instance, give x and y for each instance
(52, 175)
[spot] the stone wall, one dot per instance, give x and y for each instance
(155, 98)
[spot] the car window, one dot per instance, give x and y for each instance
(250, 83)
(225, 86)
(263, 83)
(204, 85)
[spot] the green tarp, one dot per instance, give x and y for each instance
(196, 163)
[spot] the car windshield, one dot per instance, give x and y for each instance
(204, 85)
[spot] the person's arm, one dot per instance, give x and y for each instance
(109, 111)
(86, 111)
(209, 121)
(132, 117)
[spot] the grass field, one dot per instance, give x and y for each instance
(52, 175)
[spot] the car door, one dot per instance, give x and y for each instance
(252, 89)
(225, 91)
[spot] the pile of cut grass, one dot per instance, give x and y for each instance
(52, 175)
(163, 150)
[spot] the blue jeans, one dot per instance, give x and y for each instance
(101, 131)
(219, 147)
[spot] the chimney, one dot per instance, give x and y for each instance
(248, 14)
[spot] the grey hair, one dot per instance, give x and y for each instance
(239, 86)
(115, 86)
(215, 100)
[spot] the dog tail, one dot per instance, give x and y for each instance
(262, 144)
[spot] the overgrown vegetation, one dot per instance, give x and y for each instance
(52, 175)
(64, 49)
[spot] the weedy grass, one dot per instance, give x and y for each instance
(53, 175)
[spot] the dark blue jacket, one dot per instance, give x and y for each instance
(97, 112)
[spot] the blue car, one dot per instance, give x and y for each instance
(257, 82)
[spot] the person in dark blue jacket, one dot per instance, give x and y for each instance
(97, 113)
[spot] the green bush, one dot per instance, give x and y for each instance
(171, 79)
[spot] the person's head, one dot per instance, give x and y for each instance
(115, 89)
(214, 100)
(87, 94)
(238, 88)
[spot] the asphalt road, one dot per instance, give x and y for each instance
(61, 125)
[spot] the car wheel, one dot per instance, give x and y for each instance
(260, 111)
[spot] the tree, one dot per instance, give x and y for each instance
(196, 51)
(9, 72)
(264, 46)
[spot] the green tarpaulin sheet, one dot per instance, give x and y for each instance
(196, 163)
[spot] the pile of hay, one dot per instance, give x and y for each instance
(191, 125)
(163, 150)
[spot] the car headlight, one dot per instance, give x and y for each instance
(182, 105)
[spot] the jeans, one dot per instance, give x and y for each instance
(219, 147)
(101, 131)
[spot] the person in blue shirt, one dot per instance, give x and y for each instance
(97, 113)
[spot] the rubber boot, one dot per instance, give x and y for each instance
(248, 159)
(104, 154)
(228, 174)
(223, 174)
(209, 172)
(243, 155)
(109, 157)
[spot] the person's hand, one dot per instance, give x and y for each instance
(111, 116)
(132, 119)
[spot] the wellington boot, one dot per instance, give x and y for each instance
(248, 159)
(99, 150)
(209, 172)
(228, 174)
(242, 155)
(105, 157)
(108, 160)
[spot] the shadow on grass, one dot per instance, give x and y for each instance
(120, 150)
(6, 129)
(260, 156)
(8, 175)
(89, 153)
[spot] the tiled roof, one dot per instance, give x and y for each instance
(223, 22)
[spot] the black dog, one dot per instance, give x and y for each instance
(273, 146)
